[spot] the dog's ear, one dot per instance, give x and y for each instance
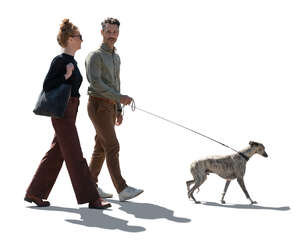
(253, 143)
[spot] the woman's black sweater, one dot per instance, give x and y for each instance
(57, 71)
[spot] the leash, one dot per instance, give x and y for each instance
(134, 107)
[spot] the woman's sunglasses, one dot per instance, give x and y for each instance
(80, 37)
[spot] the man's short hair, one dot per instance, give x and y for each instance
(111, 21)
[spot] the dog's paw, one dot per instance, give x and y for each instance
(223, 202)
(254, 202)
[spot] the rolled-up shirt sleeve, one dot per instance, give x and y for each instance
(93, 65)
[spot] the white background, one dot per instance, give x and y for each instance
(228, 69)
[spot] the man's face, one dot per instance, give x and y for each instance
(110, 34)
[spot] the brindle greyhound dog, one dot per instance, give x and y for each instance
(228, 167)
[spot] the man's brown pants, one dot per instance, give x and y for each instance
(65, 146)
(103, 116)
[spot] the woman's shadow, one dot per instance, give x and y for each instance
(97, 218)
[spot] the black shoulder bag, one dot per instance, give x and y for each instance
(53, 103)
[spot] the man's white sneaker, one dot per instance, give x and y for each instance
(129, 193)
(104, 194)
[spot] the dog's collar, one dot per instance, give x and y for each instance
(244, 156)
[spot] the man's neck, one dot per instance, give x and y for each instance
(111, 47)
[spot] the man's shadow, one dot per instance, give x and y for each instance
(148, 211)
(95, 218)
(244, 206)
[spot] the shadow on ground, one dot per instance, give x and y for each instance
(245, 206)
(149, 211)
(95, 218)
(98, 218)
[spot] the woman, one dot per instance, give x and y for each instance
(65, 145)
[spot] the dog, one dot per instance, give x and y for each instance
(228, 167)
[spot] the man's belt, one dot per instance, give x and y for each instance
(103, 99)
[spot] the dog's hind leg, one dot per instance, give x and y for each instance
(225, 190)
(191, 195)
(188, 183)
(198, 181)
(242, 185)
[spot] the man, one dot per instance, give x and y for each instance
(104, 109)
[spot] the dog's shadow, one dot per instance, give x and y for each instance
(244, 206)
(97, 218)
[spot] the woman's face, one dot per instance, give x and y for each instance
(75, 41)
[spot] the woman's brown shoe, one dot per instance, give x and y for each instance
(38, 201)
(99, 204)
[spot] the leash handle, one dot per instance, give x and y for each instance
(132, 106)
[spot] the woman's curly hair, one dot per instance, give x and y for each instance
(66, 30)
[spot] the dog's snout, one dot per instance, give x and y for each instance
(265, 154)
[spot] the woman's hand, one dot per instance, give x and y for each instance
(69, 68)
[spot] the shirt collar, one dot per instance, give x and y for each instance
(106, 48)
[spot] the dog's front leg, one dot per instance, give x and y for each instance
(242, 185)
(225, 190)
